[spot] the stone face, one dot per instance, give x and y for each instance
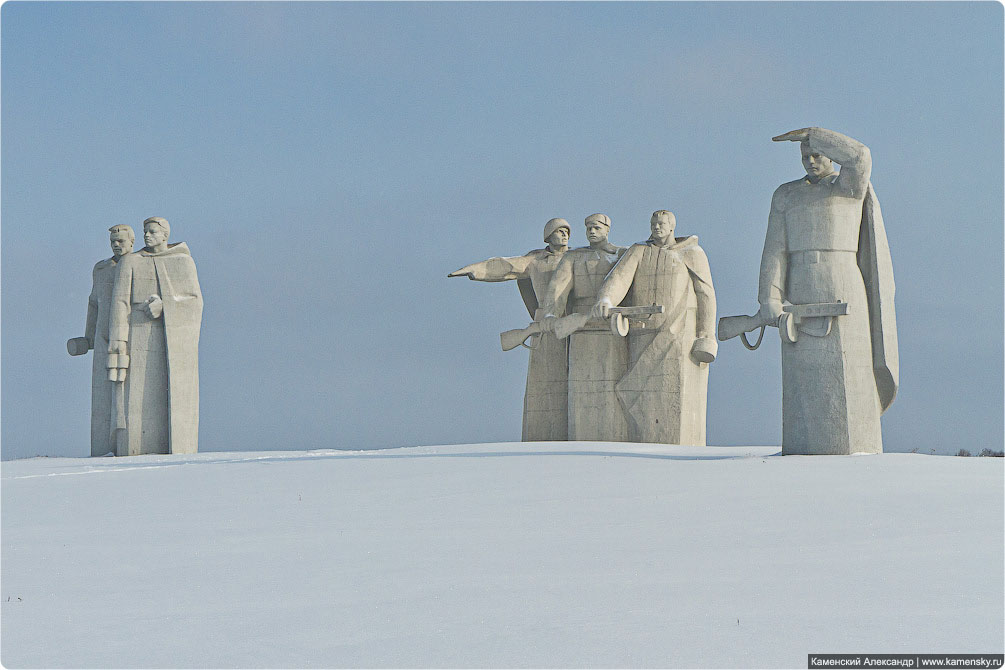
(96, 338)
(155, 320)
(664, 389)
(826, 243)
(545, 413)
(598, 358)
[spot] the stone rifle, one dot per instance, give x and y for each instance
(789, 323)
(567, 325)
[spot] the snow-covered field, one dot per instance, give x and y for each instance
(518, 554)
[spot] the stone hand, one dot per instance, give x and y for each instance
(801, 135)
(78, 346)
(704, 349)
(154, 307)
(770, 311)
(469, 271)
(548, 323)
(602, 309)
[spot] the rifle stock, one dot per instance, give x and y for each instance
(731, 326)
(511, 339)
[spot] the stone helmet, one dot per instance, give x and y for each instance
(554, 225)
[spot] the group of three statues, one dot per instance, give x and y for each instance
(826, 282)
(143, 319)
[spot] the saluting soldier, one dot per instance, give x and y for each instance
(826, 243)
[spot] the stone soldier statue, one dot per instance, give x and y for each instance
(826, 244)
(664, 390)
(545, 415)
(96, 338)
(154, 345)
(598, 358)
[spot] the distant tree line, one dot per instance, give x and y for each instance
(986, 452)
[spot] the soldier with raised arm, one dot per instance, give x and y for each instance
(664, 390)
(826, 245)
(545, 415)
(598, 358)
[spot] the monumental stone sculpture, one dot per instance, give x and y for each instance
(598, 358)
(153, 347)
(545, 415)
(96, 338)
(826, 282)
(664, 389)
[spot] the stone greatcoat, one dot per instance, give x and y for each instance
(598, 358)
(161, 390)
(96, 332)
(545, 411)
(664, 390)
(826, 243)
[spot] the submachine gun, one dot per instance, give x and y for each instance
(567, 325)
(789, 324)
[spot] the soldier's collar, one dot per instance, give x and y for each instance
(816, 180)
(607, 247)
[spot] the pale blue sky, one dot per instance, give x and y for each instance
(329, 164)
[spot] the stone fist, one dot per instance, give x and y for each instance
(704, 349)
(602, 309)
(770, 311)
(153, 307)
(548, 323)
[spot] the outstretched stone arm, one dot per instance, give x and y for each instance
(557, 294)
(853, 157)
(618, 282)
(774, 260)
(497, 269)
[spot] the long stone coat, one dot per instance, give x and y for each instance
(664, 390)
(598, 358)
(545, 410)
(162, 383)
(826, 243)
(96, 331)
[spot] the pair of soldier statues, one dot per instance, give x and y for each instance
(143, 319)
(826, 282)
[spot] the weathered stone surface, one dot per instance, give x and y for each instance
(96, 338)
(826, 243)
(154, 329)
(545, 413)
(598, 358)
(664, 389)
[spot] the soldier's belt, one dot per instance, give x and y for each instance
(810, 256)
(790, 324)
